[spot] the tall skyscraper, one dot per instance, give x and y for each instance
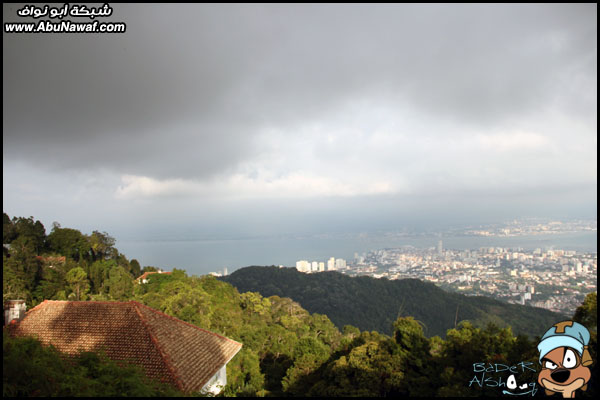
(331, 264)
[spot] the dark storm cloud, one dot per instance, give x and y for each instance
(187, 91)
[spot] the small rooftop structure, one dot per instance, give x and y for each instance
(168, 349)
(144, 277)
(14, 310)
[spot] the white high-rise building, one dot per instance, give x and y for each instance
(303, 266)
(340, 263)
(314, 266)
(331, 264)
(321, 266)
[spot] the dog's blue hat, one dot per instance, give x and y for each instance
(564, 334)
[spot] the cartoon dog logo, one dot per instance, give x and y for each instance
(565, 359)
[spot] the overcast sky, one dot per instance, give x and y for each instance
(225, 120)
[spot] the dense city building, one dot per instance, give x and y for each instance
(553, 279)
(333, 264)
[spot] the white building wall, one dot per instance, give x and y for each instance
(303, 266)
(331, 264)
(216, 383)
(14, 309)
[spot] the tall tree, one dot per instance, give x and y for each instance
(8, 230)
(136, 269)
(32, 231)
(102, 246)
(587, 315)
(120, 283)
(99, 275)
(69, 242)
(13, 285)
(23, 267)
(77, 279)
(52, 283)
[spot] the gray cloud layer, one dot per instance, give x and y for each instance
(252, 119)
(187, 91)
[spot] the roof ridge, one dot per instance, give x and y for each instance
(136, 303)
(86, 301)
(172, 369)
(161, 314)
(37, 307)
(145, 274)
(187, 323)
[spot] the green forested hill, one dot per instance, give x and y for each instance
(374, 304)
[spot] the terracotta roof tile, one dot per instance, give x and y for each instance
(166, 348)
(145, 274)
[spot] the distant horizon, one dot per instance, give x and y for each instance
(428, 228)
(204, 254)
(200, 257)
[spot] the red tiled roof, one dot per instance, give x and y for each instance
(145, 274)
(166, 348)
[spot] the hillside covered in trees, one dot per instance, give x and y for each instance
(63, 265)
(287, 351)
(374, 304)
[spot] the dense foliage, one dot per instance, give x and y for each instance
(374, 304)
(587, 314)
(286, 350)
(30, 369)
(64, 265)
(282, 341)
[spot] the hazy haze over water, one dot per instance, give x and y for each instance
(199, 257)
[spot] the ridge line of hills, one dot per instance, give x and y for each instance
(374, 304)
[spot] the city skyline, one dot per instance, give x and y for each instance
(554, 279)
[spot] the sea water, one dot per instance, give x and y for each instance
(199, 257)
